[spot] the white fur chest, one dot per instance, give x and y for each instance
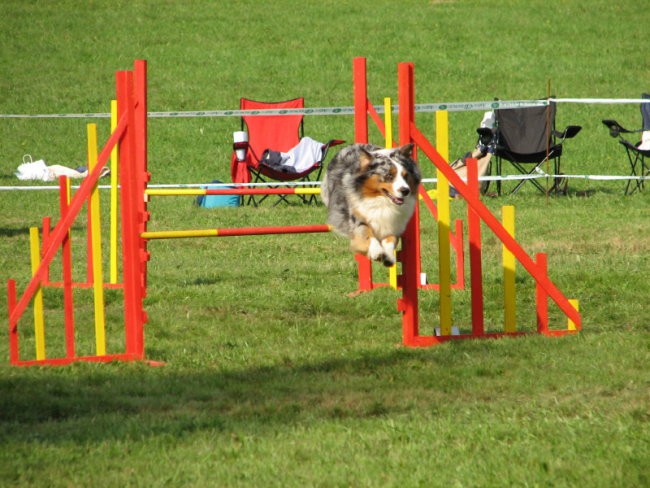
(385, 218)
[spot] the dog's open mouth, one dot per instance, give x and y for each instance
(393, 198)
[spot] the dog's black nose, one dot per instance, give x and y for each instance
(404, 191)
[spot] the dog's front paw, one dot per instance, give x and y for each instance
(388, 259)
(375, 250)
(378, 252)
(388, 245)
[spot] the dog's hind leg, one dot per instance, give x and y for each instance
(360, 241)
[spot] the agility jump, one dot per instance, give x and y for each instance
(129, 136)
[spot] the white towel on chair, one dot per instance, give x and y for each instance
(304, 155)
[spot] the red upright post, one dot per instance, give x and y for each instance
(129, 208)
(47, 226)
(475, 263)
(140, 90)
(360, 81)
(541, 297)
(410, 252)
(66, 259)
(360, 101)
(14, 356)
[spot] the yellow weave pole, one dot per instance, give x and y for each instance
(96, 237)
(114, 209)
(388, 122)
(509, 298)
(39, 320)
(444, 250)
(388, 127)
(570, 323)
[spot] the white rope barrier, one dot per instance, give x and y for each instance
(318, 183)
(423, 107)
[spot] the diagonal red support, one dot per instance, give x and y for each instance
(63, 226)
(495, 225)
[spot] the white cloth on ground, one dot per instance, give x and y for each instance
(38, 170)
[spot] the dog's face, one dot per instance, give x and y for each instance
(388, 173)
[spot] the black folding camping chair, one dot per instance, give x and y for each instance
(636, 153)
(526, 138)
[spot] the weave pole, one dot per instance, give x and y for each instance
(444, 220)
(130, 134)
(477, 212)
(409, 255)
(363, 109)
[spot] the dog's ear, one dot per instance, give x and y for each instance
(406, 150)
(365, 158)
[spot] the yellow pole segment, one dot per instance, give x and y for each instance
(442, 134)
(307, 191)
(509, 299)
(114, 209)
(388, 122)
(571, 324)
(96, 238)
(388, 129)
(444, 249)
(171, 234)
(39, 320)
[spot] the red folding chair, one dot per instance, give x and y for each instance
(278, 132)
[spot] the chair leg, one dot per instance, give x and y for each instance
(499, 166)
(534, 182)
(645, 171)
(560, 183)
(637, 184)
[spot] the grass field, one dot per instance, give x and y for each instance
(273, 376)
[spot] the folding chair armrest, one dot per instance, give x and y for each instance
(615, 128)
(633, 147)
(568, 133)
(330, 143)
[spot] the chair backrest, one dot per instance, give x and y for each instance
(526, 130)
(276, 132)
(645, 112)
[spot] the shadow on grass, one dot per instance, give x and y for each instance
(13, 231)
(24, 231)
(87, 403)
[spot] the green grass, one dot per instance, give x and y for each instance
(273, 376)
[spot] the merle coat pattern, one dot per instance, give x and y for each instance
(371, 194)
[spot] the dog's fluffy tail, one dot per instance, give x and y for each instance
(324, 193)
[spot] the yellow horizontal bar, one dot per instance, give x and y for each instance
(307, 191)
(170, 234)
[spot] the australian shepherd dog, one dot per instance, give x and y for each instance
(370, 195)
